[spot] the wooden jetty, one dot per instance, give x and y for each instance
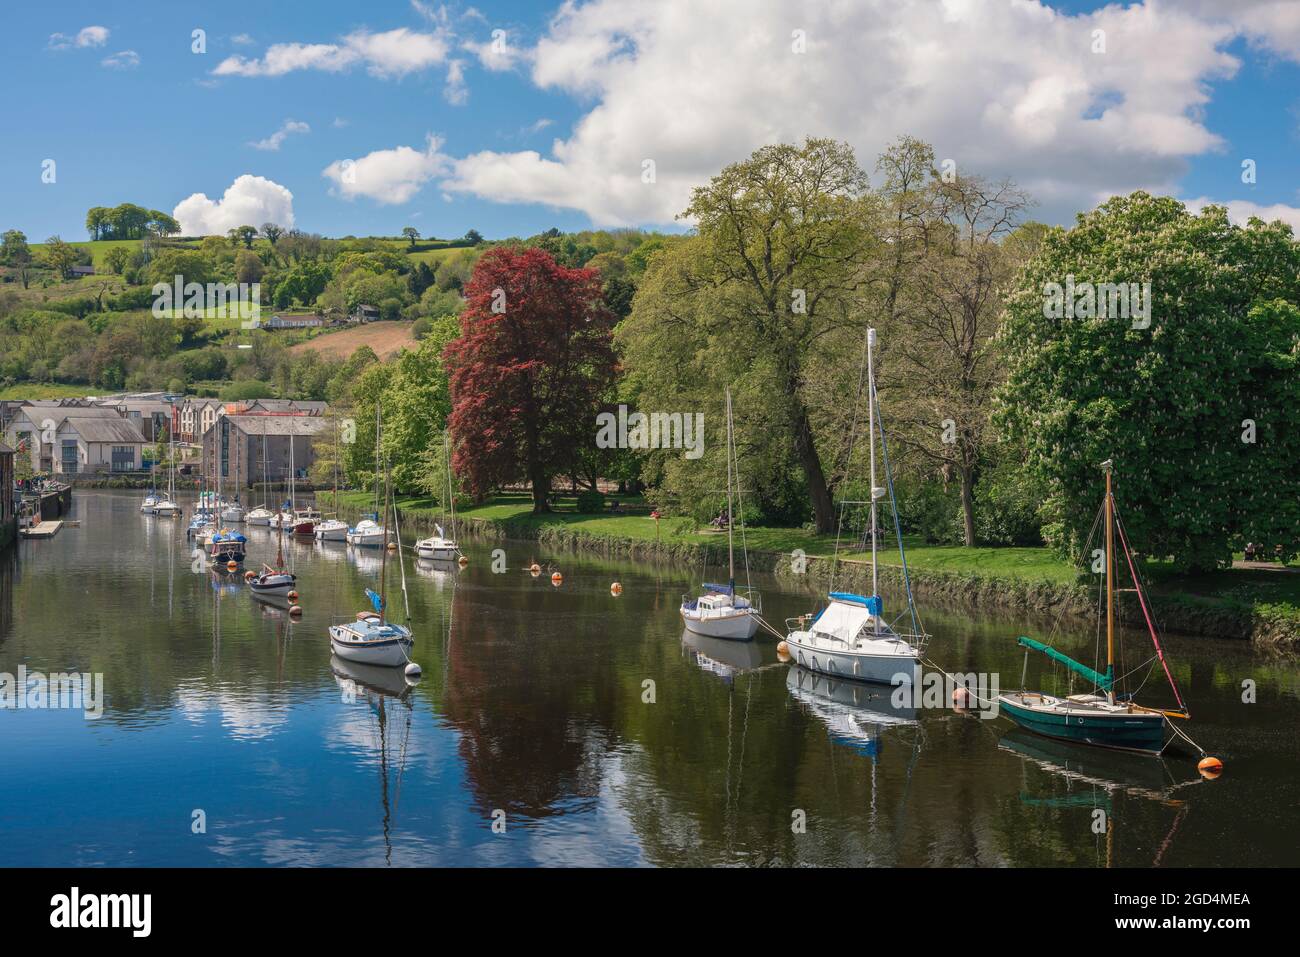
(43, 530)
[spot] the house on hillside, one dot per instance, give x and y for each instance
(364, 313)
(242, 449)
(78, 271)
(308, 320)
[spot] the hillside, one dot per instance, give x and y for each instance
(386, 338)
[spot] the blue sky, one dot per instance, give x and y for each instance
(555, 127)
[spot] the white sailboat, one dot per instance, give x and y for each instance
(439, 547)
(370, 638)
(370, 532)
(333, 529)
(849, 638)
(261, 515)
(166, 507)
(277, 580)
(723, 611)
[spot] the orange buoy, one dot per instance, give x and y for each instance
(462, 561)
(782, 650)
(295, 609)
(616, 589)
(960, 698)
(232, 565)
(249, 576)
(1210, 767)
(535, 568)
(556, 578)
(392, 546)
(292, 596)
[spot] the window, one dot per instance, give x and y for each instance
(123, 458)
(68, 462)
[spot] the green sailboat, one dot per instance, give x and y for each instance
(1103, 717)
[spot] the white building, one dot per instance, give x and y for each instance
(70, 441)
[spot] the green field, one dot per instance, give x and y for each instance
(53, 390)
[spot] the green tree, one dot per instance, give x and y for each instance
(116, 259)
(59, 256)
(411, 234)
(1194, 396)
(15, 253)
(773, 280)
(242, 234)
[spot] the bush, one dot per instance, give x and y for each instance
(246, 389)
(590, 502)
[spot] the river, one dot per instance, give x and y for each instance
(567, 726)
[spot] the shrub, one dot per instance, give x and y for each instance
(590, 502)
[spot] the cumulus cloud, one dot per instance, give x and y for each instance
(123, 60)
(1001, 87)
(93, 36)
(497, 54)
(249, 201)
(394, 53)
(388, 176)
(1240, 211)
(276, 139)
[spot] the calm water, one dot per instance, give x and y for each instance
(531, 707)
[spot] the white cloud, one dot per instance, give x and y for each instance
(388, 176)
(249, 201)
(123, 60)
(93, 36)
(394, 53)
(455, 92)
(1241, 210)
(1003, 87)
(241, 39)
(497, 54)
(274, 141)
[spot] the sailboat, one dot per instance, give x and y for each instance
(261, 515)
(439, 547)
(1102, 717)
(370, 638)
(166, 507)
(277, 580)
(720, 612)
(333, 529)
(150, 501)
(370, 532)
(849, 638)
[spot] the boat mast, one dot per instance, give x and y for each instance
(871, 445)
(731, 552)
(383, 562)
(1110, 581)
(451, 496)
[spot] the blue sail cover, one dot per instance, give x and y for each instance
(872, 603)
(376, 602)
(709, 586)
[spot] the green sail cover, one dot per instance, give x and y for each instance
(1102, 681)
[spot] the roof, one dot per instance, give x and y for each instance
(279, 424)
(94, 428)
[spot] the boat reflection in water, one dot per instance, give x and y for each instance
(855, 713)
(440, 571)
(1084, 767)
(273, 606)
(375, 686)
(722, 656)
(1100, 779)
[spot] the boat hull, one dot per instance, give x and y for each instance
(438, 553)
(1136, 731)
(326, 533)
(274, 585)
(387, 653)
(367, 539)
(740, 626)
(880, 668)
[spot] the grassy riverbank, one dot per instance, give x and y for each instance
(1258, 604)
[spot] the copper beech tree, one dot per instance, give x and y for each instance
(529, 372)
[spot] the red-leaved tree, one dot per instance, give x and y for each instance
(534, 360)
